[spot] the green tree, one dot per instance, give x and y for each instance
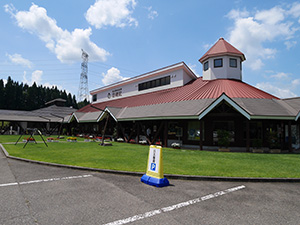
(9, 94)
(1, 94)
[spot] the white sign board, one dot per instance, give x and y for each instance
(154, 157)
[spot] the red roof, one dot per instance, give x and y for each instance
(222, 47)
(196, 89)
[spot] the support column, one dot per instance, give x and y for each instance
(282, 135)
(290, 136)
(166, 135)
(103, 134)
(247, 136)
(137, 132)
(201, 135)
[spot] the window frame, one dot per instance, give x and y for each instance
(234, 65)
(216, 60)
(154, 83)
(94, 97)
(205, 66)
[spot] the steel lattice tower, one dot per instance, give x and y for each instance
(83, 91)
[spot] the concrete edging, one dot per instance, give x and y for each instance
(169, 176)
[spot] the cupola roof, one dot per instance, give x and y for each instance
(222, 47)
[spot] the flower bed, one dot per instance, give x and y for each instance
(72, 139)
(29, 140)
(143, 142)
(158, 143)
(51, 139)
(120, 140)
(132, 141)
(175, 145)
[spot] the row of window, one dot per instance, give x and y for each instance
(219, 63)
(155, 83)
(142, 86)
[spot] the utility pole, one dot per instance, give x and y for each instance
(83, 91)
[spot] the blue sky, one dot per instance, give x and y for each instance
(41, 41)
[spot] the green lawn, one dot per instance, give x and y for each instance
(130, 157)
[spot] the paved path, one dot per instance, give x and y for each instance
(38, 194)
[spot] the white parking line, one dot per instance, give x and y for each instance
(173, 207)
(44, 180)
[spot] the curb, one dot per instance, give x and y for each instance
(169, 176)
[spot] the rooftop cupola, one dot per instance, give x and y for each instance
(222, 61)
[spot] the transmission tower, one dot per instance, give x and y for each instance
(83, 91)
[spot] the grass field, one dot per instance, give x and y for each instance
(131, 157)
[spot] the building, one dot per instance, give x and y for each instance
(48, 119)
(172, 104)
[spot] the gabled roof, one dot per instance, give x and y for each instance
(195, 90)
(48, 114)
(222, 47)
(231, 102)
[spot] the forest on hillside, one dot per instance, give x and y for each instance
(19, 96)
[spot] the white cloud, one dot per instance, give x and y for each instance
(36, 77)
(279, 92)
(112, 76)
(207, 46)
(193, 68)
(66, 45)
(236, 14)
(59, 87)
(152, 13)
(250, 33)
(295, 10)
(280, 75)
(271, 16)
(116, 13)
(296, 82)
(19, 60)
(290, 44)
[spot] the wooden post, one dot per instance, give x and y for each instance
(123, 132)
(166, 134)
(103, 133)
(201, 135)
(247, 136)
(157, 132)
(290, 136)
(138, 132)
(282, 135)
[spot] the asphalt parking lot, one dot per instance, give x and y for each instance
(39, 194)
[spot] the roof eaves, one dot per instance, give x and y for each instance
(229, 101)
(205, 57)
(271, 117)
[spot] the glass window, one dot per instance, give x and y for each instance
(218, 62)
(94, 98)
(205, 67)
(157, 82)
(194, 130)
(168, 80)
(154, 83)
(233, 63)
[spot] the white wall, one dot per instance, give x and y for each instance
(225, 72)
(177, 78)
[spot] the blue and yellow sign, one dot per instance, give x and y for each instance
(154, 175)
